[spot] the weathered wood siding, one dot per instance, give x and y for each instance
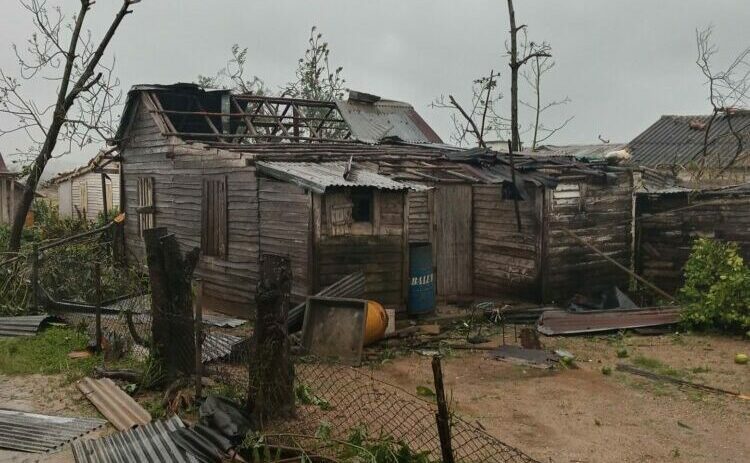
(505, 260)
(668, 224)
(453, 240)
(9, 196)
(378, 253)
(285, 229)
(92, 182)
(599, 213)
(178, 184)
(420, 216)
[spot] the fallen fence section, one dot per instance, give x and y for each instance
(113, 403)
(557, 322)
(11, 327)
(152, 442)
(29, 432)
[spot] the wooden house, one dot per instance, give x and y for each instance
(10, 192)
(349, 185)
(89, 190)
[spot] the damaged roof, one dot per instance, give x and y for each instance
(679, 140)
(319, 176)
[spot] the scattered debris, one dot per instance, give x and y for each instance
(217, 346)
(529, 357)
(151, 442)
(530, 339)
(113, 403)
(11, 327)
(557, 322)
(612, 298)
(29, 432)
(79, 354)
(351, 286)
(206, 444)
(679, 382)
(224, 416)
(222, 321)
(335, 328)
(562, 353)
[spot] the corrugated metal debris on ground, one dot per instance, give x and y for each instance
(218, 345)
(11, 327)
(203, 442)
(30, 432)
(113, 403)
(222, 321)
(530, 357)
(318, 176)
(149, 443)
(555, 322)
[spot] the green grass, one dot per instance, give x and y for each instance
(656, 366)
(46, 353)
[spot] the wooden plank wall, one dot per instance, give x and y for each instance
(95, 203)
(380, 255)
(285, 227)
(229, 283)
(8, 197)
(505, 261)
(602, 215)
(420, 216)
(668, 224)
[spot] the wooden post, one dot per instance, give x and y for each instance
(98, 305)
(271, 391)
(198, 311)
(171, 301)
(35, 277)
(104, 197)
(442, 416)
(513, 179)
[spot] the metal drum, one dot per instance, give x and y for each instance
(421, 279)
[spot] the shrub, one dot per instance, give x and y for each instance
(716, 294)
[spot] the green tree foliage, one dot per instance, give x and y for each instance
(232, 76)
(716, 294)
(316, 79)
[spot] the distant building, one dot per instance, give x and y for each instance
(674, 145)
(89, 190)
(10, 191)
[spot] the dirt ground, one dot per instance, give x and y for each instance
(582, 415)
(561, 415)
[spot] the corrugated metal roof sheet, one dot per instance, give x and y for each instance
(373, 122)
(597, 151)
(678, 140)
(149, 443)
(218, 345)
(556, 322)
(318, 176)
(22, 326)
(29, 432)
(113, 403)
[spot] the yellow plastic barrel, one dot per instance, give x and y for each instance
(377, 322)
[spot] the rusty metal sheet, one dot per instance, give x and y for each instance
(11, 327)
(556, 322)
(30, 432)
(113, 403)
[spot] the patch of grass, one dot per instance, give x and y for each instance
(697, 370)
(46, 353)
(656, 366)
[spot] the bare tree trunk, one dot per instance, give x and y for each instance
(65, 100)
(515, 135)
(538, 108)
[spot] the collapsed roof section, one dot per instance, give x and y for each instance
(220, 117)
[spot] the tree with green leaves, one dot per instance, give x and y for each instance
(316, 78)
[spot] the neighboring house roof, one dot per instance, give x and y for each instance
(4, 168)
(219, 116)
(679, 140)
(592, 152)
(319, 176)
(101, 160)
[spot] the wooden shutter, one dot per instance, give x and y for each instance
(145, 204)
(214, 226)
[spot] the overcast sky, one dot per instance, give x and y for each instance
(621, 62)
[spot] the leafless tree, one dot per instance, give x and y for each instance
(471, 126)
(520, 54)
(728, 90)
(62, 51)
(232, 76)
(533, 76)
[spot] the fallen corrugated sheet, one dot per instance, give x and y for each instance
(218, 345)
(29, 432)
(203, 442)
(113, 403)
(149, 443)
(351, 286)
(11, 327)
(532, 357)
(222, 321)
(555, 322)
(371, 122)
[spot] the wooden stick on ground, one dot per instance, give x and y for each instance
(680, 382)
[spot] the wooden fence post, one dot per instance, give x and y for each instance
(271, 371)
(98, 305)
(35, 277)
(442, 416)
(198, 311)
